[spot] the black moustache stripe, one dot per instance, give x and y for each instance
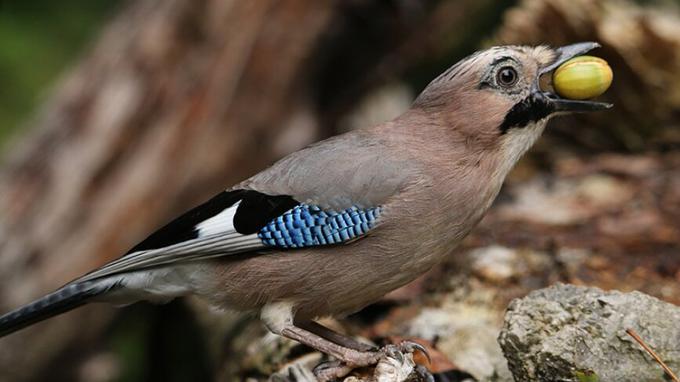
(531, 109)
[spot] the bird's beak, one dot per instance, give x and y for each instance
(558, 103)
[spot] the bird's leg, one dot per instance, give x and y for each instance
(279, 319)
(333, 369)
(349, 356)
(349, 359)
(349, 342)
(333, 336)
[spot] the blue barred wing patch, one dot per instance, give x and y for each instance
(308, 225)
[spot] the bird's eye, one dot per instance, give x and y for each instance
(507, 76)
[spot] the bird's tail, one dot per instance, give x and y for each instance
(62, 300)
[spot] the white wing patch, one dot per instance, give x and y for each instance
(220, 223)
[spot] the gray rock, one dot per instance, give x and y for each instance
(564, 332)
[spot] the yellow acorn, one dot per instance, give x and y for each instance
(582, 77)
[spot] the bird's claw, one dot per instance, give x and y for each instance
(412, 347)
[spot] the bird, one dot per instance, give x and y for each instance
(333, 227)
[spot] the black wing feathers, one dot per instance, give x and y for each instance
(183, 228)
(256, 210)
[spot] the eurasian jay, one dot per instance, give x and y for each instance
(333, 227)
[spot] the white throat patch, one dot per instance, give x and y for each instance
(516, 142)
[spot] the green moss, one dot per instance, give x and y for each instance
(586, 376)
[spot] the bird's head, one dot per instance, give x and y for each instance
(497, 98)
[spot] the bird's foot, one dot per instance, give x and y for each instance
(389, 359)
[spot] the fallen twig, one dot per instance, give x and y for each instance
(651, 352)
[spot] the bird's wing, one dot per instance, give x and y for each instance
(327, 194)
(354, 169)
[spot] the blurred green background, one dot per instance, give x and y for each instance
(38, 40)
